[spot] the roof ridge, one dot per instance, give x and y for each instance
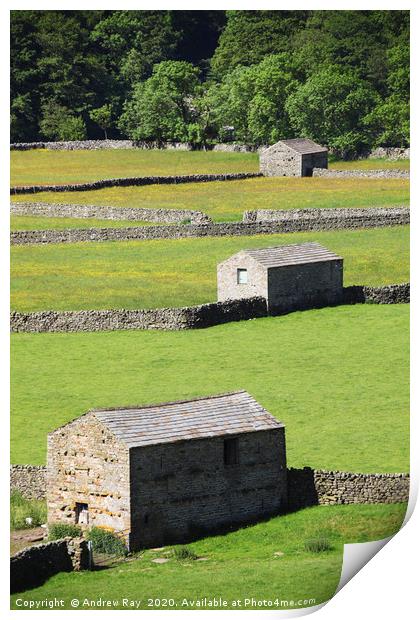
(171, 402)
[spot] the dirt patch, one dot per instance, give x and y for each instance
(19, 539)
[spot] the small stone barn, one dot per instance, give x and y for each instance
(289, 277)
(167, 473)
(293, 158)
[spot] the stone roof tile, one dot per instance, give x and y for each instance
(211, 416)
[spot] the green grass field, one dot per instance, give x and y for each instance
(28, 222)
(58, 167)
(181, 272)
(240, 565)
(227, 200)
(371, 164)
(337, 377)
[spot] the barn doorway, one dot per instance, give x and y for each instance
(308, 171)
(82, 514)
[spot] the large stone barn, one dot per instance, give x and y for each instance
(289, 277)
(167, 473)
(293, 158)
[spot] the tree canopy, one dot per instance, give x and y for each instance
(339, 77)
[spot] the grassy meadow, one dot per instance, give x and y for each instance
(337, 377)
(58, 167)
(181, 272)
(47, 167)
(29, 222)
(265, 561)
(227, 200)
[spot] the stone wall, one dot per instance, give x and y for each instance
(134, 181)
(183, 490)
(363, 174)
(282, 222)
(391, 294)
(324, 219)
(31, 567)
(94, 145)
(104, 212)
(389, 152)
(91, 145)
(310, 487)
(193, 317)
(29, 480)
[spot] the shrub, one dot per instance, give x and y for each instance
(184, 553)
(22, 508)
(61, 530)
(318, 544)
(106, 542)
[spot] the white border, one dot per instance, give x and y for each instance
(387, 585)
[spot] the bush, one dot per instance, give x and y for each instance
(184, 553)
(106, 542)
(22, 508)
(318, 544)
(61, 530)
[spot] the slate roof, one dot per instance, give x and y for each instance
(211, 416)
(304, 146)
(292, 255)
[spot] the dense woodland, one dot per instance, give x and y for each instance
(339, 77)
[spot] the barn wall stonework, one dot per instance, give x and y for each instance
(86, 464)
(227, 280)
(184, 489)
(280, 161)
(304, 286)
(313, 160)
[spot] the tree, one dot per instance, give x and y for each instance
(252, 100)
(390, 119)
(161, 108)
(132, 42)
(58, 123)
(331, 107)
(249, 36)
(103, 117)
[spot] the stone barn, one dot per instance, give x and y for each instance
(293, 158)
(289, 277)
(167, 473)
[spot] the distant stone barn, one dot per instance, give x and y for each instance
(293, 158)
(167, 473)
(289, 277)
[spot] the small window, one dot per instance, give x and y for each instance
(230, 448)
(242, 276)
(82, 514)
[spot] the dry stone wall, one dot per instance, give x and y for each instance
(310, 487)
(324, 219)
(104, 212)
(28, 480)
(282, 222)
(193, 317)
(389, 152)
(91, 145)
(34, 565)
(133, 181)
(94, 145)
(227, 147)
(363, 174)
